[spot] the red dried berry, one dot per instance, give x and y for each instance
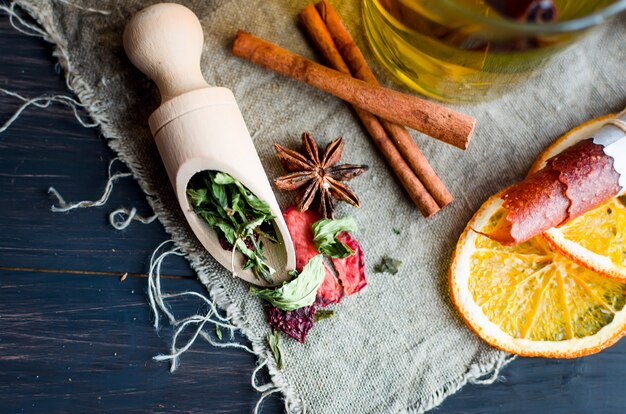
(296, 324)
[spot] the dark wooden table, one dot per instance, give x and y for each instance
(74, 338)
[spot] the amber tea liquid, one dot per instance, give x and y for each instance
(462, 50)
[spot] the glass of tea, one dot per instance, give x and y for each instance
(473, 50)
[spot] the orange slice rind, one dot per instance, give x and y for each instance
(529, 299)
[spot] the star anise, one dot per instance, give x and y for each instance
(316, 176)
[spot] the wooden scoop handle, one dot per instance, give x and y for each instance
(165, 42)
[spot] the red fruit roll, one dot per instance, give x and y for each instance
(579, 179)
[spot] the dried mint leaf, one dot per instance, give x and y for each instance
(321, 314)
(298, 292)
(273, 341)
(325, 234)
(387, 265)
(238, 216)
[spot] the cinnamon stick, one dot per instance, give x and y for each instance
(355, 61)
(430, 118)
(316, 29)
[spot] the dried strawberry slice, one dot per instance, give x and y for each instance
(351, 270)
(296, 323)
(330, 291)
(299, 225)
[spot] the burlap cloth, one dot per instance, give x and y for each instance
(397, 346)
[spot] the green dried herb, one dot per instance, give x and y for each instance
(387, 265)
(218, 332)
(239, 217)
(273, 341)
(298, 292)
(396, 231)
(321, 314)
(325, 233)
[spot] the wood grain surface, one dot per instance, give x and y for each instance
(75, 339)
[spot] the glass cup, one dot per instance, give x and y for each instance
(464, 51)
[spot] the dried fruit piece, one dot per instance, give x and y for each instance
(330, 291)
(299, 225)
(351, 270)
(296, 324)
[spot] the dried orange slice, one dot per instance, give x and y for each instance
(597, 239)
(529, 299)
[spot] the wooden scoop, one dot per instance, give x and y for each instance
(199, 127)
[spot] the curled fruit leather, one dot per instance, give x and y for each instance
(580, 178)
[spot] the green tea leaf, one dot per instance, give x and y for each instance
(197, 197)
(387, 265)
(256, 261)
(241, 246)
(238, 206)
(265, 234)
(322, 314)
(219, 192)
(236, 214)
(223, 179)
(273, 341)
(253, 224)
(253, 201)
(325, 233)
(298, 292)
(227, 230)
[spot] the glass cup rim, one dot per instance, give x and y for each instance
(580, 23)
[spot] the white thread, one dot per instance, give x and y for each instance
(265, 389)
(263, 397)
(130, 216)
(156, 298)
(65, 206)
(89, 9)
(260, 388)
(10, 10)
(175, 353)
(154, 284)
(44, 102)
